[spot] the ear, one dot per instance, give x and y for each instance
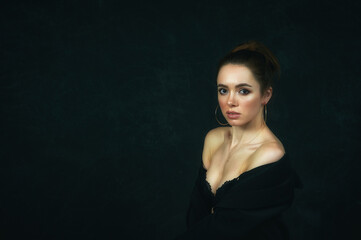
(267, 95)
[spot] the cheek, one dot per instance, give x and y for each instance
(251, 105)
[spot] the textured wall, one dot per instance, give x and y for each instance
(105, 105)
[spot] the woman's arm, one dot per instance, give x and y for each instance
(212, 141)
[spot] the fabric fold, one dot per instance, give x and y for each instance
(249, 207)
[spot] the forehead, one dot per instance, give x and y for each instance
(232, 75)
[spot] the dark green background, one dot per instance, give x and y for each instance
(105, 105)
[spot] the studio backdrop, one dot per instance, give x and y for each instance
(104, 106)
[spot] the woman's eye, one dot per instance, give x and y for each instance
(222, 91)
(243, 91)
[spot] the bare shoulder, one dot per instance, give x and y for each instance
(212, 141)
(216, 134)
(267, 153)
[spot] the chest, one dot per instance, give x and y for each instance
(227, 165)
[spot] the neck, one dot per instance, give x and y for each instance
(248, 133)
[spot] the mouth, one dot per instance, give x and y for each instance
(232, 114)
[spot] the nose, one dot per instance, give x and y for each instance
(231, 100)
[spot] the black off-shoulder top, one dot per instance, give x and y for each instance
(247, 207)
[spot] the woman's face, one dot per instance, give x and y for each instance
(239, 94)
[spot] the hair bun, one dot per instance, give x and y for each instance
(255, 46)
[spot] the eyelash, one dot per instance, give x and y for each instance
(243, 89)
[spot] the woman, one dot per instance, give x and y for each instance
(245, 181)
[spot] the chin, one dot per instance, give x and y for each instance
(234, 122)
(237, 122)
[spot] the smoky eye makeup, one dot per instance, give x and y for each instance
(222, 91)
(244, 91)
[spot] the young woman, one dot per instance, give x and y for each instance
(245, 181)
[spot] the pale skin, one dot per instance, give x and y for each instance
(248, 143)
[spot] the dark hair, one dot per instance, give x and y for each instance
(258, 58)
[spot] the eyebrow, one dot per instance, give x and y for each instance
(237, 86)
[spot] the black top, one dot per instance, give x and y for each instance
(246, 207)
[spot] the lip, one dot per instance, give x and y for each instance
(232, 114)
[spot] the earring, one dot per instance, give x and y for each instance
(265, 113)
(215, 113)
